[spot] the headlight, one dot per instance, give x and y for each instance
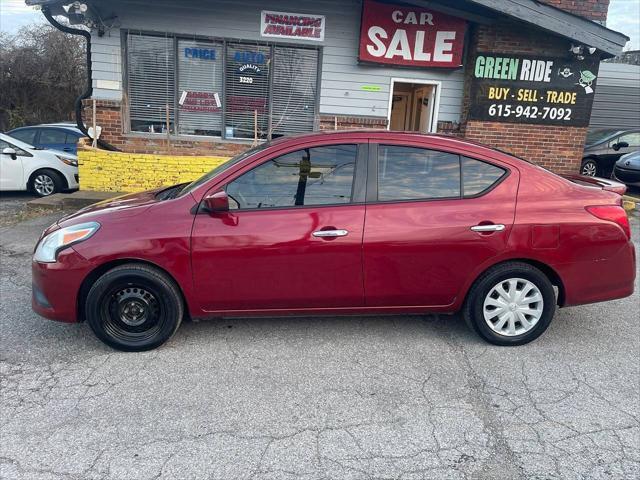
(69, 161)
(49, 246)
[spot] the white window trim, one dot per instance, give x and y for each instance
(433, 127)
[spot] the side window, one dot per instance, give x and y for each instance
(633, 139)
(49, 136)
(478, 176)
(72, 139)
(407, 173)
(312, 176)
(27, 136)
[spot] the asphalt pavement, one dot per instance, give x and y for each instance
(314, 398)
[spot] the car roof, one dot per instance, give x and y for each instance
(68, 127)
(380, 134)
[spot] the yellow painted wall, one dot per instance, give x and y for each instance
(105, 171)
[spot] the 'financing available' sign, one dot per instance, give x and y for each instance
(300, 26)
(410, 36)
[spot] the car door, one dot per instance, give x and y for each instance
(11, 168)
(53, 139)
(292, 238)
(432, 218)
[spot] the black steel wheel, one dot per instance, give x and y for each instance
(134, 307)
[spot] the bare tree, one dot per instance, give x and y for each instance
(42, 71)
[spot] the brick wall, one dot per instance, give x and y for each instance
(106, 171)
(591, 9)
(558, 148)
(330, 122)
(109, 115)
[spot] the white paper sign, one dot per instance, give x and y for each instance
(301, 26)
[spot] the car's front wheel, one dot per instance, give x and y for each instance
(46, 182)
(134, 307)
(511, 304)
(589, 167)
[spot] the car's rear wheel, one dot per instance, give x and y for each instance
(134, 307)
(46, 182)
(589, 167)
(510, 304)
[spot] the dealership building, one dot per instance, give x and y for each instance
(213, 77)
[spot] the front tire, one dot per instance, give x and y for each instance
(46, 182)
(511, 304)
(134, 307)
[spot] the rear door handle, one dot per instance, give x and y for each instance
(330, 233)
(498, 227)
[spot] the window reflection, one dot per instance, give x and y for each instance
(312, 176)
(406, 173)
(478, 176)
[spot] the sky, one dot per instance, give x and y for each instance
(624, 16)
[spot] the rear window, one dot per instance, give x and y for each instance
(478, 176)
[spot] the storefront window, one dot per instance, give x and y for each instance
(151, 81)
(294, 90)
(200, 87)
(247, 90)
(214, 88)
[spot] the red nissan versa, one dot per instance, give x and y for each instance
(341, 223)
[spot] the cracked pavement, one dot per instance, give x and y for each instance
(394, 397)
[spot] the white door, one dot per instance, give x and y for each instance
(11, 170)
(399, 110)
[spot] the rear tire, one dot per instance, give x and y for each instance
(589, 168)
(46, 182)
(510, 304)
(134, 307)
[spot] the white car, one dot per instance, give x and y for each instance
(43, 172)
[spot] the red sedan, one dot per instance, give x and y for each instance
(341, 223)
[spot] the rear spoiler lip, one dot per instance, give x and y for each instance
(604, 183)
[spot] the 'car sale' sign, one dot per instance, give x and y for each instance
(410, 36)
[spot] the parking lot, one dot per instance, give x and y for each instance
(314, 398)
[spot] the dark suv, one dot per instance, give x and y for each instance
(604, 147)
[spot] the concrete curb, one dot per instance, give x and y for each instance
(69, 201)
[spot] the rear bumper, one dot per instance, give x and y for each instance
(599, 280)
(55, 286)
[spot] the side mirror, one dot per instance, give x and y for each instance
(619, 145)
(217, 202)
(11, 152)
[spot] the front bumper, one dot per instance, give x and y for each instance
(55, 286)
(630, 177)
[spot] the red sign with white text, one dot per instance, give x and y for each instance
(410, 36)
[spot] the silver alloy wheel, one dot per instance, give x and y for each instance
(44, 185)
(589, 169)
(513, 307)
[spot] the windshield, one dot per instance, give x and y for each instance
(221, 168)
(598, 136)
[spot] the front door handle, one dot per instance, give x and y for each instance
(330, 233)
(498, 227)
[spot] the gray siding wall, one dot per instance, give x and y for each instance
(617, 98)
(342, 77)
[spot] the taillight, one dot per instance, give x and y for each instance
(611, 213)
